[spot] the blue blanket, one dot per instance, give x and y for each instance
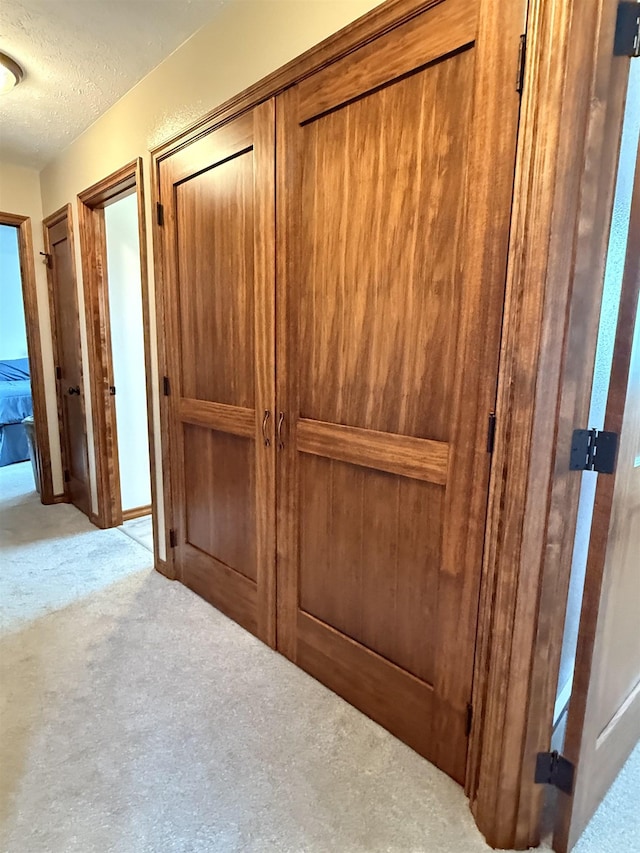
(15, 405)
(15, 391)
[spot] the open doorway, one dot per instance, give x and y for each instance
(16, 406)
(24, 437)
(128, 364)
(113, 249)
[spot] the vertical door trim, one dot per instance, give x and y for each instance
(570, 129)
(91, 204)
(34, 349)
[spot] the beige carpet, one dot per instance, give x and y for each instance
(138, 719)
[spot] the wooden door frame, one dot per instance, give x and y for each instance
(571, 123)
(571, 118)
(47, 223)
(91, 204)
(34, 349)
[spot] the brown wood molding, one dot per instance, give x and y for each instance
(91, 204)
(382, 19)
(94, 279)
(165, 566)
(49, 222)
(117, 185)
(34, 348)
(136, 512)
(570, 127)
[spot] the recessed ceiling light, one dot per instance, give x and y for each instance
(10, 73)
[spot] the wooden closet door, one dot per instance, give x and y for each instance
(395, 174)
(218, 247)
(65, 323)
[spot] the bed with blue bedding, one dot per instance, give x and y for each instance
(15, 405)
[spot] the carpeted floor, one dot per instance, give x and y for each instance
(140, 530)
(135, 718)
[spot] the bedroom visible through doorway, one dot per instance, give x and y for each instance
(16, 405)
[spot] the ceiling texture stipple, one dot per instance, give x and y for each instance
(79, 57)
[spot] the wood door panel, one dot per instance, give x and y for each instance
(231, 419)
(395, 183)
(65, 325)
(386, 172)
(430, 36)
(403, 704)
(396, 454)
(220, 503)
(218, 254)
(366, 568)
(216, 299)
(230, 592)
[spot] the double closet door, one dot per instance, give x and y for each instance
(334, 266)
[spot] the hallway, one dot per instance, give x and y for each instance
(137, 719)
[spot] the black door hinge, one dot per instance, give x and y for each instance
(627, 38)
(491, 432)
(166, 387)
(160, 213)
(469, 719)
(522, 54)
(58, 372)
(67, 475)
(173, 540)
(593, 450)
(112, 390)
(554, 769)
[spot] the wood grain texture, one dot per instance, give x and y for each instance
(421, 459)
(218, 271)
(384, 18)
(214, 211)
(389, 312)
(34, 349)
(557, 204)
(427, 38)
(380, 326)
(386, 560)
(220, 506)
(65, 329)
(603, 724)
(232, 419)
(93, 249)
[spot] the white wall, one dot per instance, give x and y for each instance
(127, 349)
(13, 334)
(247, 40)
(20, 194)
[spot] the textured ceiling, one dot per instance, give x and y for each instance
(79, 58)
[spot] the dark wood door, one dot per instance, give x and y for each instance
(395, 174)
(603, 721)
(218, 246)
(65, 322)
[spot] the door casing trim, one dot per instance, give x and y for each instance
(34, 348)
(91, 203)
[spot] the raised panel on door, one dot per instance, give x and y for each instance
(394, 184)
(218, 245)
(66, 328)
